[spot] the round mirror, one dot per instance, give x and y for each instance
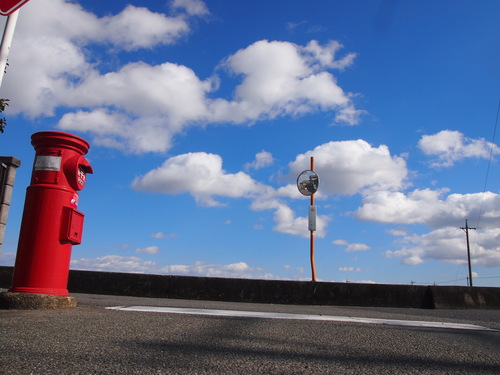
(308, 182)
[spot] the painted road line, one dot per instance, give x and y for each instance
(273, 315)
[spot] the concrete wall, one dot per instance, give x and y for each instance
(9, 164)
(277, 291)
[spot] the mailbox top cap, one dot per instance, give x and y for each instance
(59, 139)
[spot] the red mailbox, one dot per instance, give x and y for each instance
(51, 223)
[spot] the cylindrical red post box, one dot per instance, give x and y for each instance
(51, 223)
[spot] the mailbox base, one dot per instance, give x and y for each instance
(60, 292)
(28, 301)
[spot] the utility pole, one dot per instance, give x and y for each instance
(466, 229)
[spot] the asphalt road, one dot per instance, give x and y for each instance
(91, 339)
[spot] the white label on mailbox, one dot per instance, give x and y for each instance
(81, 177)
(312, 218)
(48, 163)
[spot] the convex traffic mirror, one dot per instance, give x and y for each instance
(308, 182)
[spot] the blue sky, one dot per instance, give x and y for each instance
(201, 115)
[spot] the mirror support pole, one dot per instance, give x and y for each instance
(313, 266)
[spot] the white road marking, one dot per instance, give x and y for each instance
(272, 315)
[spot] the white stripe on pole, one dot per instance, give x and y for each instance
(8, 34)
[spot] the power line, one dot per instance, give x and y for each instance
(489, 163)
(492, 147)
(488, 277)
(451, 282)
(484, 190)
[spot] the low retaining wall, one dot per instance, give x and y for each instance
(277, 291)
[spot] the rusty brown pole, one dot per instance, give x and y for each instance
(313, 266)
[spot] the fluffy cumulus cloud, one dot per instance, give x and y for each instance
(55, 34)
(233, 270)
(298, 226)
(445, 214)
(201, 175)
(192, 7)
(449, 146)
(134, 264)
(262, 159)
(350, 167)
(351, 247)
(139, 107)
(110, 263)
(148, 250)
(428, 207)
(346, 167)
(448, 245)
(284, 78)
(160, 29)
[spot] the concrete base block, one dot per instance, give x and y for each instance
(27, 301)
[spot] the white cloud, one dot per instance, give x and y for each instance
(351, 247)
(284, 216)
(150, 104)
(192, 7)
(400, 232)
(344, 167)
(289, 191)
(350, 167)
(56, 34)
(360, 281)
(286, 222)
(349, 269)
(340, 242)
(426, 207)
(281, 78)
(114, 263)
(448, 245)
(201, 175)
(451, 146)
(133, 264)
(233, 270)
(140, 107)
(325, 55)
(137, 27)
(148, 250)
(262, 159)
(161, 235)
(291, 26)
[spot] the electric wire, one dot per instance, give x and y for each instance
(492, 148)
(489, 164)
(452, 282)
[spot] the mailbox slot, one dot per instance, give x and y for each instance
(76, 170)
(72, 226)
